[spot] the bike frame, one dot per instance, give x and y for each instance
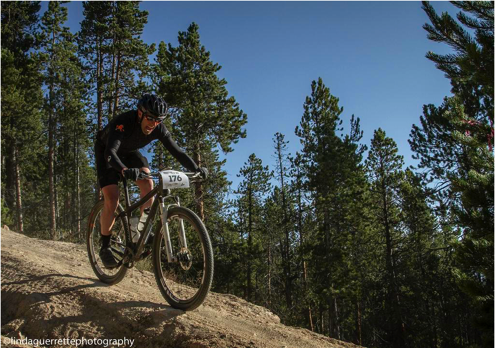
(160, 194)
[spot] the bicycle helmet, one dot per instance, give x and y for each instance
(153, 105)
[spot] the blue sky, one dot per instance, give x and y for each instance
(370, 54)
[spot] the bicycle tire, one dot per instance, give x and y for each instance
(118, 240)
(164, 271)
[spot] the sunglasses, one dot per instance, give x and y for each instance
(152, 119)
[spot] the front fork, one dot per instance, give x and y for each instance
(166, 233)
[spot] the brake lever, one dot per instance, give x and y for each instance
(196, 177)
(144, 175)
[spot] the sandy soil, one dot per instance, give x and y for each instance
(49, 291)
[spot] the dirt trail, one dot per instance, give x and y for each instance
(49, 291)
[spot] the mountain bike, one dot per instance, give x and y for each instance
(181, 250)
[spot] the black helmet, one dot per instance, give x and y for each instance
(153, 105)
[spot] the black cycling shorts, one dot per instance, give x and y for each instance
(107, 175)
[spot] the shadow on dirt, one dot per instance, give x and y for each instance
(75, 307)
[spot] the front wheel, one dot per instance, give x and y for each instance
(117, 244)
(185, 282)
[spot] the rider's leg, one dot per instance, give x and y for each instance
(111, 201)
(107, 219)
(145, 186)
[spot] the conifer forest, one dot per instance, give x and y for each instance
(340, 237)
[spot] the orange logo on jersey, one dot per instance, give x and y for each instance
(120, 127)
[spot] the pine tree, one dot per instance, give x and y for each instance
(330, 166)
(66, 118)
(252, 189)
(455, 143)
(115, 58)
(229, 251)
(73, 144)
(302, 217)
(94, 49)
(271, 237)
(129, 56)
(470, 68)
(206, 118)
(385, 176)
(282, 161)
(21, 104)
(420, 233)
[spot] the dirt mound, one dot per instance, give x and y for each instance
(50, 294)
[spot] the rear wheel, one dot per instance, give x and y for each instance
(185, 282)
(117, 244)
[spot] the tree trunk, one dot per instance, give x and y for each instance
(51, 172)
(304, 264)
(330, 323)
(66, 213)
(287, 268)
(336, 319)
(99, 85)
(326, 227)
(56, 197)
(269, 274)
(117, 78)
(20, 221)
(435, 336)
(431, 320)
(109, 96)
(398, 328)
(99, 99)
(114, 58)
(77, 205)
(250, 243)
(78, 200)
(9, 190)
(321, 326)
(51, 154)
(359, 331)
(256, 289)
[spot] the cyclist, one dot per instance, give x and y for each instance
(117, 154)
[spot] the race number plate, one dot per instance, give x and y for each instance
(173, 179)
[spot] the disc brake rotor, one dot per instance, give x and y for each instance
(185, 258)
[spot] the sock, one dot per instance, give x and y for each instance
(105, 241)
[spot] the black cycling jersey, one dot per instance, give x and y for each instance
(123, 135)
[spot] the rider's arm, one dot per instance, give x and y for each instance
(176, 151)
(115, 137)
